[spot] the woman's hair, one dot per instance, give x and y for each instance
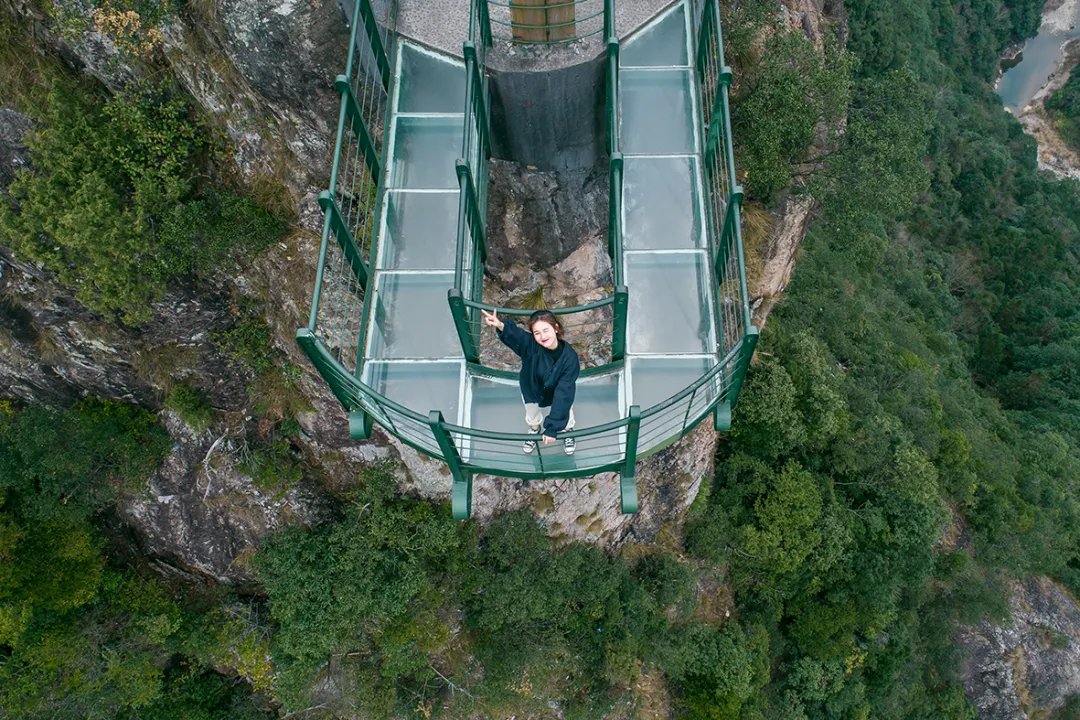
(548, 317)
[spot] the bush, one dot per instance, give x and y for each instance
(192, 405)
(110, 202)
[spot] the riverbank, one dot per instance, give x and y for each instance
(1054, 154)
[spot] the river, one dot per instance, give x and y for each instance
(1042, 56)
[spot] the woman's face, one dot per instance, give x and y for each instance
(544, 334)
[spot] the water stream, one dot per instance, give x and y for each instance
(1042, 55)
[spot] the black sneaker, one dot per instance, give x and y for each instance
(528, 446)
(568, 446)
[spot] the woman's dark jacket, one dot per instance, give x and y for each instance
(547, 378)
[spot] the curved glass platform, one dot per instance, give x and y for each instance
(395, 327)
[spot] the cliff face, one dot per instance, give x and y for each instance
(263, 71)
(1028, 668)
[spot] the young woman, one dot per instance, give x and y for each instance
(548, 377)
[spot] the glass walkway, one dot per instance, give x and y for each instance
(395, 321)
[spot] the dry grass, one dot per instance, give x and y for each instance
(757, 225)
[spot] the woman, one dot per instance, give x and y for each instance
(549, 372)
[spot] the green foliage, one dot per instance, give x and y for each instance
(786, 93)
(192, 405)
(248, 341)
(1063, 107)
(359, 595)
(107, 658)
(569, 617)
(110, 201)
(75, 462)
(273, 465)
(718, 669)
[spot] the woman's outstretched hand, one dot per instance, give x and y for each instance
(491, 319)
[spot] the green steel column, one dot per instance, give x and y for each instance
(359, 424)
(750, 340)
(618, 323)
(461, 324)
(727, 232)
(461, 494)
(628, 482)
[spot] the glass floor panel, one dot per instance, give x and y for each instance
(654, 380)
(425, 150)
(656, 112)
(412, 317)
(419, 386)
(660, 201)
(663, 43)
(429, 84)
(420, 234)
(496, 405)
(669, 304)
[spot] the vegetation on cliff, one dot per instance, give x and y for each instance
(907, 440)
(1063, 107)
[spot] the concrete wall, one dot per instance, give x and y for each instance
(552, 119)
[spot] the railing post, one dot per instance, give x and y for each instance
(727, 232)
(359, 424)
(618, 323)
(461, 324)
(615, 168)
(750, 340)
(461, 494)
(627, 482)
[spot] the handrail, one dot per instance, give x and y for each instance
(549, 22)
(341, 275)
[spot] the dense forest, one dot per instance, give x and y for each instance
(918, 382)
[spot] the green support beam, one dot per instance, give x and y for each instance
(461, 494)
(628, 498)
(461, 323)
(618, 323)
(359, 127)
(344, 237)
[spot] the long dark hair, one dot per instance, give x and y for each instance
(548, 317)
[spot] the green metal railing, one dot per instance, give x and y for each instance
(723, 196)
(608, 312)
(350, 205)
(548, 22)
(333, 338)
(465, 297)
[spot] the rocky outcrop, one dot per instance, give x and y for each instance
(202, 513)
(13, 154)
(1031, 666)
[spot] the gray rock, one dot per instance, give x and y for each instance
(1031, 666)
(13, 153)
(202, 513)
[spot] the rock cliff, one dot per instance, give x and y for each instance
(263, 71)
(1028, 668)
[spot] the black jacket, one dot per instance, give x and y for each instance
(547, 378)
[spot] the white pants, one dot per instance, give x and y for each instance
(534, 416)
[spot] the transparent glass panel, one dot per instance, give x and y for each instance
(660, 204)
(421, 231)
(656, 115)
(663, 43)
(496, 405)
(430, 84)
(412, 317)
(419, 386)
(425, 149)
(669, 304)
(655, 380)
